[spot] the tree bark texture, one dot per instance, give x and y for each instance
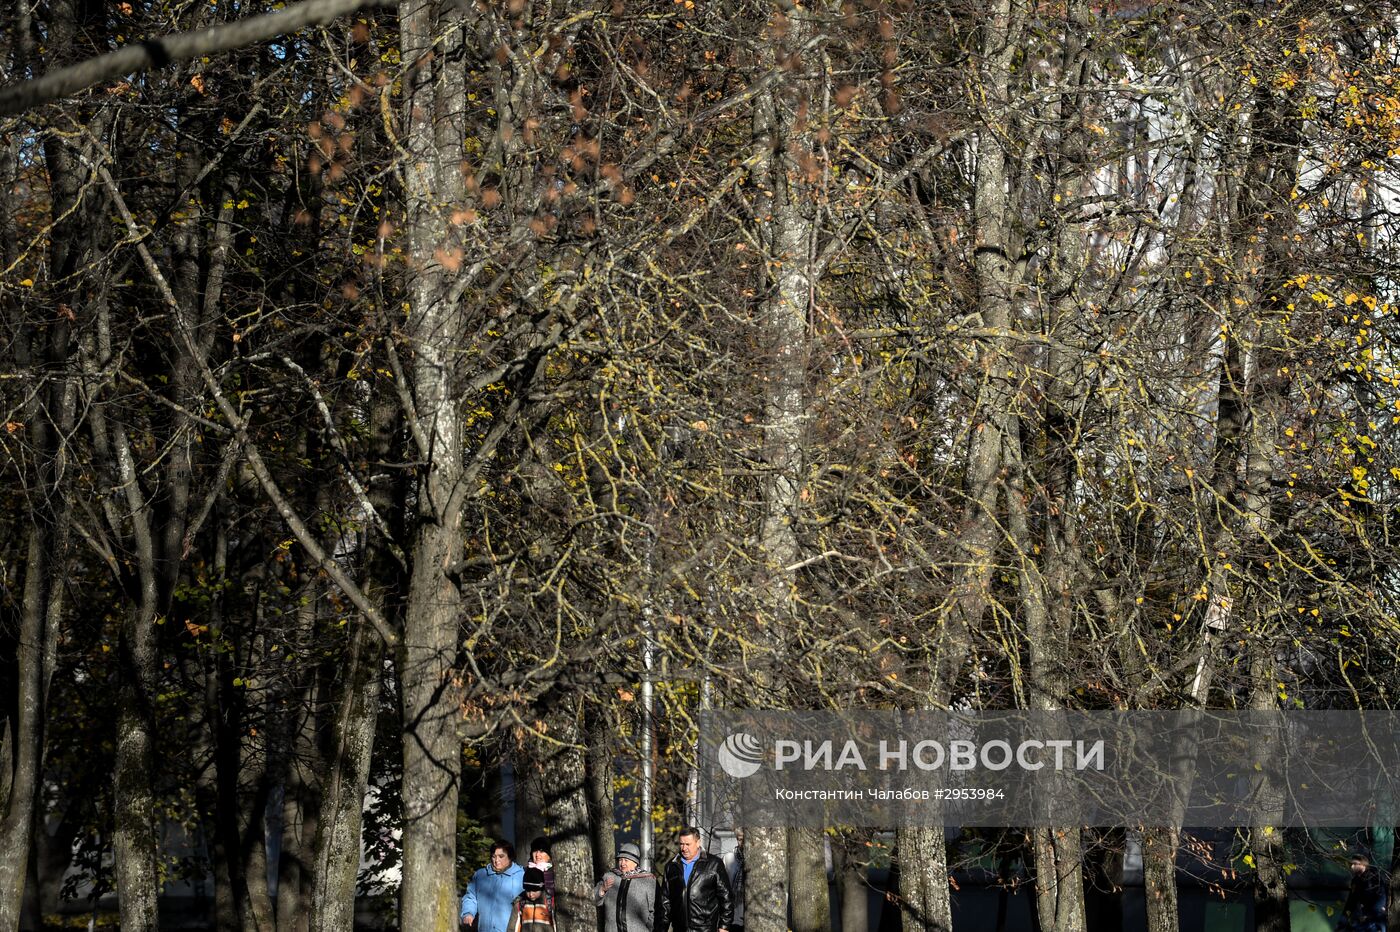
(432, 40)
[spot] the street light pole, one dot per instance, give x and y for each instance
(648, 711)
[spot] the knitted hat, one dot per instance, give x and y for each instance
(534, 878)
(541, 844)
(631, 851)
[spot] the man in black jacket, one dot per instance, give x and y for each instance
(694, 894)
(1365, 906)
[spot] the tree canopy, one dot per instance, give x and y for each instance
(390, 389)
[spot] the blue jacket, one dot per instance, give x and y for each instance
(489, 896)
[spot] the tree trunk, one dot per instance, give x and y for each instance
(294, 877)
(599, 762)
(565, 783)
(256, 907)
(1058, 850)
(925, 898)
(431, 41)
(1266, 842)
(336, 849)
(225, 904)
(852, 878)
(209, 789)
(299, 765)
(924, 877)
(1159, 847)
(765, 858)
(1266, 244)
(49, 414)
(432, 750)
(347, 740)
(811, 896)
(779, 863)
(40, 612)
(993, 271)
(1059, 877)
(299, 771)
(135, 839)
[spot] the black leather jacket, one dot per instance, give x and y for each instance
(704, 905)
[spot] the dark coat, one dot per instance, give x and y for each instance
(704, 905)
(1365, 903)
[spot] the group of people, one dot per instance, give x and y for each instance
(505, 896)
(693, 892)
(698, 892)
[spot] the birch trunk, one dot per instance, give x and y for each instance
(778, 862)
(923, 868)
(1268, 220)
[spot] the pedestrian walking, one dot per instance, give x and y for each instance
(532, 911)
(543, 860)
(1364, 910)
(627, 894)
(486, 905)
(694, 894)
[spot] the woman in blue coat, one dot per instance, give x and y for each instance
(492, 890)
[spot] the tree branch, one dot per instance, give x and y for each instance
(325, 560)
(155, 53)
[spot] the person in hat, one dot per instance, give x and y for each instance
(532, 911)
(1364, 910)
(627, 894)
(541, 859)
(486, 904)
